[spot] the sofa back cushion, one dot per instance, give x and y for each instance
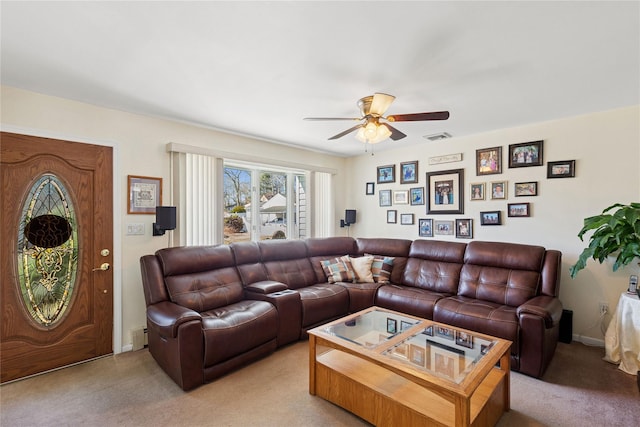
(200, 277)
(434, 265)
(249, 262)
(504, 273)
(321, 249)
(398, 249)
(286, 261)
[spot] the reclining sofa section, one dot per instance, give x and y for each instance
(212, 309)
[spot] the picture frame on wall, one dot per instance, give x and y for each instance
(416, 196)
(400, 197)
(384, 198)
(445, 192)
(525, 154)
(409, 172)
(386, 174)
(518, 209)
(490, 218)
(425, 227)
(443, 228)
(489, 161)
(406, 219)
(561, 169)
(522, 189)
(392, 216)
(498, 190)
(476, 191)
(145, 193)
(464, 228)
(371, 186)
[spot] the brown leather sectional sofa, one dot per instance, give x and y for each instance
(213, 309)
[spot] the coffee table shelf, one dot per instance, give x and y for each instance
(385, 391)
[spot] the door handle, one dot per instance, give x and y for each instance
(104, 267)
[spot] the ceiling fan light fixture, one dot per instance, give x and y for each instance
(373, 133)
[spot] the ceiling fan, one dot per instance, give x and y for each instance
(372, 130)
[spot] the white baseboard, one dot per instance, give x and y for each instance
(594, 342)
(127, 347)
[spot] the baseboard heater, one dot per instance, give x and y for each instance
(139, 339)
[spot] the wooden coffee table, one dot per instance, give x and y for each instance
(392, 369)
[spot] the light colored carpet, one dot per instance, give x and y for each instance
(579, 389)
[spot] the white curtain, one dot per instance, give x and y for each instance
(323, 205)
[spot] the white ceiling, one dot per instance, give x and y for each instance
(259, 68)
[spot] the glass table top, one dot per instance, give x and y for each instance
(437, 349)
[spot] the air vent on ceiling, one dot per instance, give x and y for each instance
(438, 136)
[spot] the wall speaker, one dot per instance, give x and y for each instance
(165, 220)
(350, 216)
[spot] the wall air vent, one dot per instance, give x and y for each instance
(438, 136)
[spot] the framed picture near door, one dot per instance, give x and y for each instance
(145, 193)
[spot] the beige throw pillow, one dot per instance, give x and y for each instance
(362, 268)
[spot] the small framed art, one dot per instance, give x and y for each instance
(443, 228)
(145, 193)
(406, 219)
(371, 186)
(445, 192)
(561, 169)
(490, 218)
(525, 154)
(464, 228)
(477, 191)
(392, 216)
(518, 209)
(425, 227)
(409, 172)
(489, 161)
(416, 196)
(498, 190)
(526, 188)
(384, 197)
(400, 197)
(392, 325)
(386, 174)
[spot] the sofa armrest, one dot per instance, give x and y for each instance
(165, 317)
(266, 287)
(547, 307)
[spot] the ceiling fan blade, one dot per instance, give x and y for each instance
(395, 133)
(437, 115)
(346, 132)
(331, 118)
(380, 103)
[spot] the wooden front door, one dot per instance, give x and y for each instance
(56, 220)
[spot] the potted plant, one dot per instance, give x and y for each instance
(616, 233)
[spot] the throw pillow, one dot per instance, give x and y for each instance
(362, 268)
(381, 268)
(338, 270)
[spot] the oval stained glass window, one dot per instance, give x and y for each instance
(47, 250)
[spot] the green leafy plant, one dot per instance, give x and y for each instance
(616, 233)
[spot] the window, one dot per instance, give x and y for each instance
(263, 203)
(221, 199)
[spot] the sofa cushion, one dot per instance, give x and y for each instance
(408, 299)
(498, 285)
(338, 270)
(484, 317)
(323, 302)
(237, 328)
(206, 290)
(362, 268)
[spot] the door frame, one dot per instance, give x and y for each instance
(117, 198)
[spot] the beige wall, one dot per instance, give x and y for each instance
(606, 147)
(140, 149)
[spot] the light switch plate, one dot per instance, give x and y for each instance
(135, 229)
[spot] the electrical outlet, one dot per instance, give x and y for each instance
(604, 307)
